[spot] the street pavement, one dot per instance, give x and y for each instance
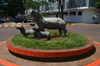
(89, 31)
(9, 31)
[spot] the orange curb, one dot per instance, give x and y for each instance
(2, 43)
(6, 63)
(96, 63)
(49, 54)
(97, 44)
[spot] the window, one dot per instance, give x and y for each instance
(72, 13)
(65, 13)
(80, 13)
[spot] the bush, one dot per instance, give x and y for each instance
(44, 14)
(97, 5)
(53, 13)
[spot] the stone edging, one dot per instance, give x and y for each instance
(49, 53)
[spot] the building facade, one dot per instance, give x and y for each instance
(76, 11)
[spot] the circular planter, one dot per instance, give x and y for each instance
(49, 53)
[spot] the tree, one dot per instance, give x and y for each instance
(32, 4)
(36, 5)
(60, 6)
(43, 3)
(28, 4)
(14, 7)
(3, 5)
(97, 4)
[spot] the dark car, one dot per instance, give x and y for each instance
(1, 20)
(19, 19)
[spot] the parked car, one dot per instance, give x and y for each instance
(5, 19)
(1, 20)
(19, 19)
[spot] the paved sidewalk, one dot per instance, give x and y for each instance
(83, 24)
(8, 59)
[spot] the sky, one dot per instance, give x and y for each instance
(34, 0)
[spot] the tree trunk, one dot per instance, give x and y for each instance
(61, 6)
(61, 11)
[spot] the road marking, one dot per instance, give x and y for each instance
(6, 26)
(0, 25)
(2, 42)
(24, 25)
(97, 62)
(19, 23)
(12, 26)
(6, 63)
(96, 42)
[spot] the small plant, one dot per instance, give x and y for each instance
(94, 17)
(44, 14)
(54, 13)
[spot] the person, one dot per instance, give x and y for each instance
(25, 20)
(57, 15)
(12, 19)
(95, 16)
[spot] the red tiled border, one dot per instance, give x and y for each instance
(49, 53)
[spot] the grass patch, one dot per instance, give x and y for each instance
(72, 40)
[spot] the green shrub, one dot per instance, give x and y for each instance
(97, 4)
(53, 13)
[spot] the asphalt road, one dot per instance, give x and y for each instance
(7, 32)
(90, 31)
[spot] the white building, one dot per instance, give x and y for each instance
(76, 11)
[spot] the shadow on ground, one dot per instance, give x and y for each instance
(62, 59)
